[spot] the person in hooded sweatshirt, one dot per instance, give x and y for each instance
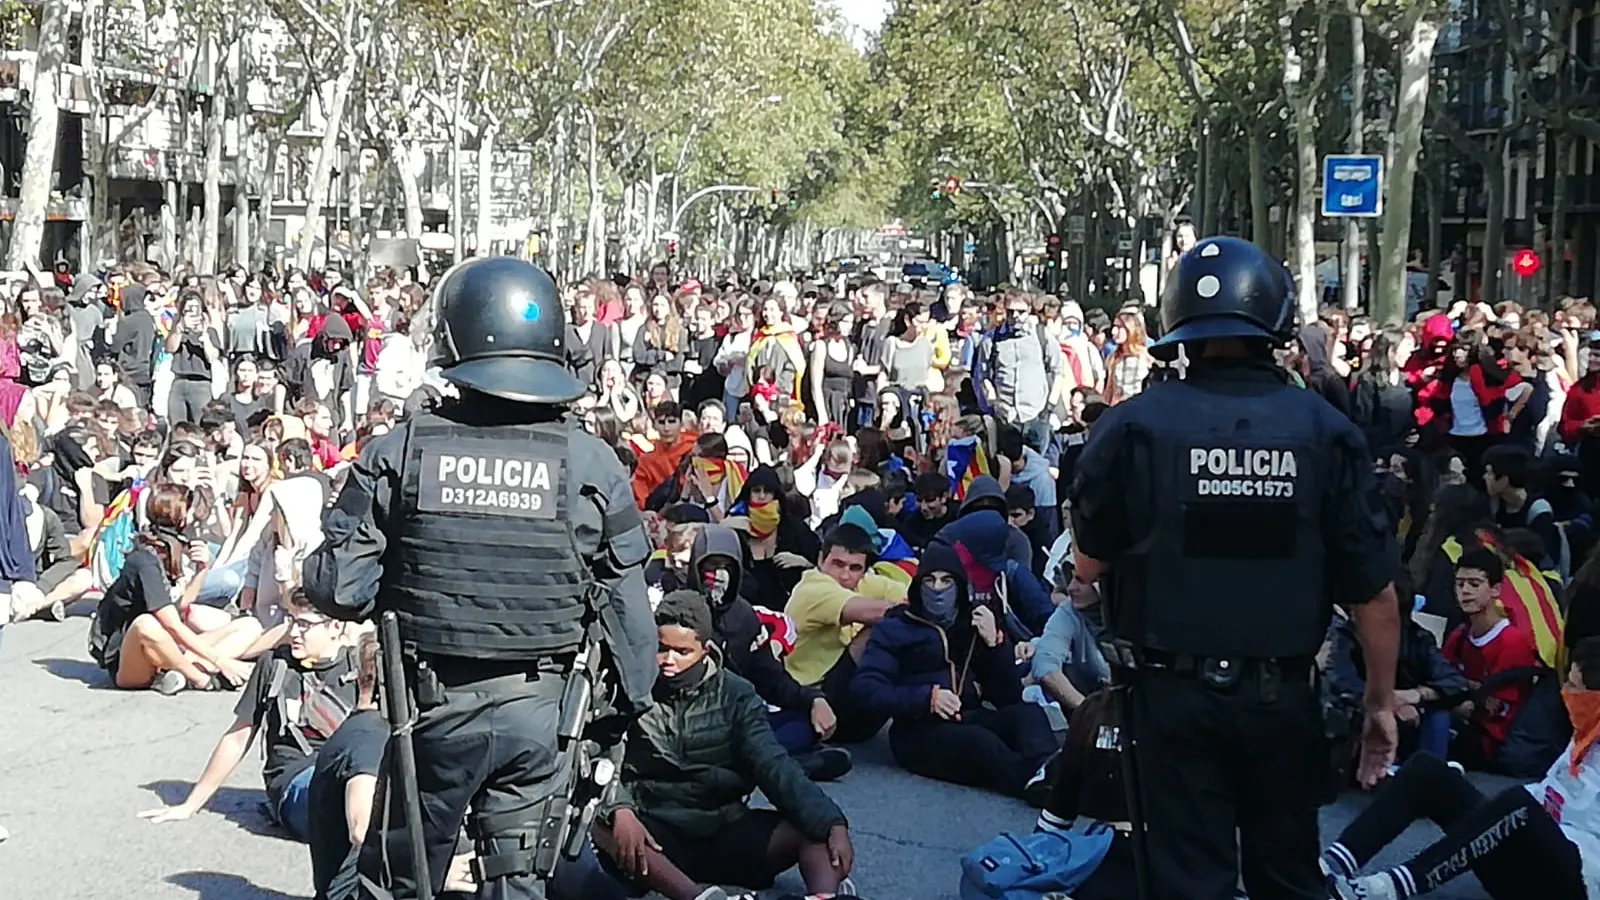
(324, 369)
(800, 716)
(991, 550)
(943, 669)
(1317, 341)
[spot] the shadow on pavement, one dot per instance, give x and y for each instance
(76, 670)
(246, 809)
(218, 886)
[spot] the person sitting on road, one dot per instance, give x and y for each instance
(680, 823)
(1540, 840)
(1423, 679)
(62, 577)
(296, 697)
(834, 609)
(1486, 645)
(941, 666)
(800, 716)
(344, 781)
(141, 633)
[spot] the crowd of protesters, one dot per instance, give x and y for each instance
(856, 491)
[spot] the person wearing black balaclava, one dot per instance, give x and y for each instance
(943, 669)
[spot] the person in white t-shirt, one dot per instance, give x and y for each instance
(1536, 841)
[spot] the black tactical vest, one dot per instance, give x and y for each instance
(485, 565)
(1232, 561)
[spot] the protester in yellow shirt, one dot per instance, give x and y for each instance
(833, 609)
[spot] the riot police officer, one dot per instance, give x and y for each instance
(505, 541)
(1223, 513)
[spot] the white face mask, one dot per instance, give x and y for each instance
(1584, 357)
(718, 580)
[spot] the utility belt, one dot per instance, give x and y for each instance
(1220, 673)
(432, 676)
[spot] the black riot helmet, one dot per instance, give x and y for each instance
(500, 329)
(1225, 287)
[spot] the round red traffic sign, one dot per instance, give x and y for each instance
(1525, 262)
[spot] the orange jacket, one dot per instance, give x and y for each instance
(658, 465)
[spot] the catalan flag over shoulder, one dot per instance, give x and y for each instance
(727, 477)
(964, 460)
(1528, 597)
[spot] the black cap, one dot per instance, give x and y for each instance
(501, 330)
(1225, 287)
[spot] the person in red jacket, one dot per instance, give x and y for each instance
(1422, 369)
(1580, 419)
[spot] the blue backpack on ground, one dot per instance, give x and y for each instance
(1033, 865)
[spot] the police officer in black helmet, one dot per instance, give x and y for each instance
(1223, 513)
(506, 542)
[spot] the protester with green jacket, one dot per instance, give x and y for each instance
(680, 822)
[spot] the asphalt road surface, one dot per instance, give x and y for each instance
(79, 759)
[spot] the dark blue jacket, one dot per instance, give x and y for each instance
(992, 541)
(908, 656)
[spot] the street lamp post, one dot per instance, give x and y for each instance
(677, 213)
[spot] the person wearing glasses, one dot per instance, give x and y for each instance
(296, 698)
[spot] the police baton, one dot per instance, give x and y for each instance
(397, 706)
(1127, 743)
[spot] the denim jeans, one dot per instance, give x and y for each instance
(294, 807)
(222, 585)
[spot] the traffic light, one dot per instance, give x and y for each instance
(952, 185)
(1525, 262)
(774, 196)
(1053, 251)
(672, 248)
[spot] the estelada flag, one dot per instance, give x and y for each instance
(964, 460)
(1528, 597)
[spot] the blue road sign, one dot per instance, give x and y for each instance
(1352, 186)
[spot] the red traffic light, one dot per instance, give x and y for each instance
(1525, 262)
(952, 185)
(1054, 241)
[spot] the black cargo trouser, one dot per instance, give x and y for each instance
(490, 745)
(1211, 761)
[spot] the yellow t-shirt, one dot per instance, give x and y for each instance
(815, 607)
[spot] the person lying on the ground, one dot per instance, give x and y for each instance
(296, 698)
(1535, 842)
(680, 823)
(143, 632)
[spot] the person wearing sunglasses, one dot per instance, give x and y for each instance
(296, 698)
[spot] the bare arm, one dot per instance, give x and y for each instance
(229, 751)
(358, 799)
(1060, 688)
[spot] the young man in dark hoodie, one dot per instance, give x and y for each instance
(324, 370)
(134, 342)
(802, 715)
(992, 551)
(943, 669)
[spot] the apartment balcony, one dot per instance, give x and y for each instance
(59, 209)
